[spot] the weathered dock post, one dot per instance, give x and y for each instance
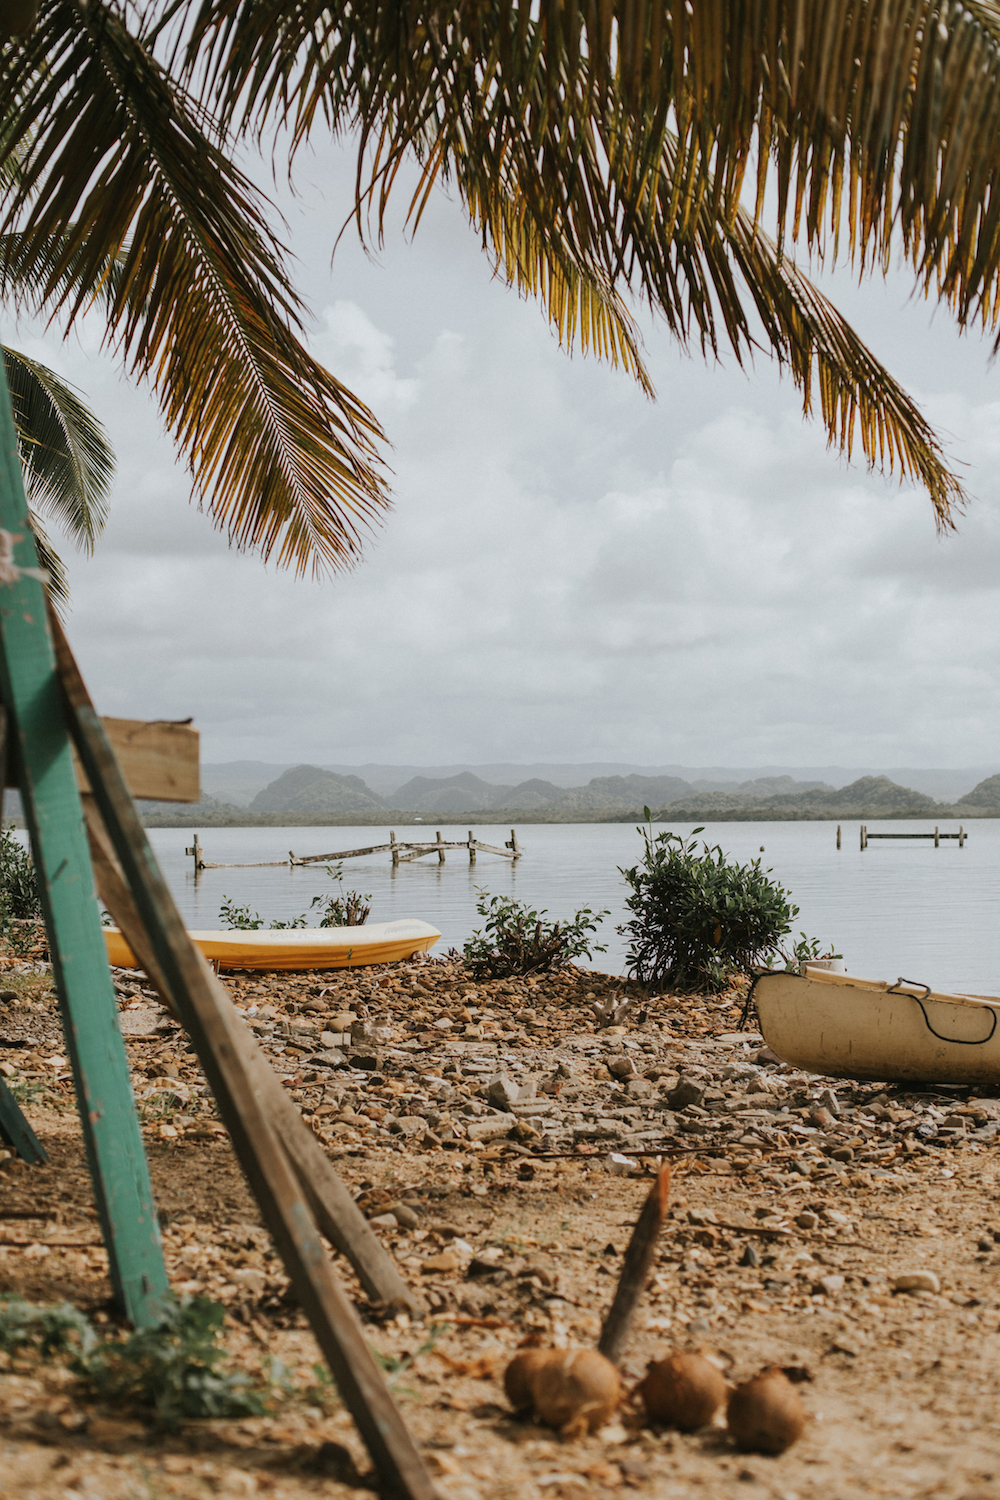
(511, 843)
(961, 836)
(440, 846)
(937, 837)
(196, 852)
(838, 835)
(472, 848)
(394, 852)
(864, 837)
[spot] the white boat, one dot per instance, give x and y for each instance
(299, 947)
(899, 1032)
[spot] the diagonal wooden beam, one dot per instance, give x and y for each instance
(336, 1213)
(202, 1005)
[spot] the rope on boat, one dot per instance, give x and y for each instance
(956, 1041)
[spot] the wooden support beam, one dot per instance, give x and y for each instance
(202, 1004)
(15, 1131)
(29, 689)
(337, 1215)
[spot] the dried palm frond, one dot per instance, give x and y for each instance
(867, 115)
(602, 149)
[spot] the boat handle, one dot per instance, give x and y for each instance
(956, 1041)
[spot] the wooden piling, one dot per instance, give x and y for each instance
(838, 835)
(196, 852)
(472, 848)
(392, 846)
(937, 838)
(440, 846)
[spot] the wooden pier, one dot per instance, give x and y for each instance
(401, 852)
(937, 836)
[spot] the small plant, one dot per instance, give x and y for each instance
(517, 940)
(241, 917)
(346, 909)
(61, 1329)
(696, 917)
(18, 889)
(805, 949)
(172, 1368)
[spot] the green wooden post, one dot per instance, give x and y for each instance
(38, 734)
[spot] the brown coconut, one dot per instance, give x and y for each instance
(517, 1376)
(576, 1392)
(766, 1414)
(683, 1390)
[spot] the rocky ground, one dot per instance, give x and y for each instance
(501, 1136)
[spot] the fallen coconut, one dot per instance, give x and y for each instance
(517, 1376)
(573, 1390)
(683, 1390)
(765, 1414)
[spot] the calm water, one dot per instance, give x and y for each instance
(900, 908)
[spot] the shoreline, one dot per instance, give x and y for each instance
(513, 816)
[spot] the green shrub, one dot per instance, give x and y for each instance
(18, 890)
(518, 941)
(172, 1369)
(346, 909)
(697, 917)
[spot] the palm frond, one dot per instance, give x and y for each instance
(865, 117)
(57, 583)
(67, 461)
(578, 185)
(126, 193)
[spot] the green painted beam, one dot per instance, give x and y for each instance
(94, 1045)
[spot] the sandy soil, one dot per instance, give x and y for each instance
(509, 1220)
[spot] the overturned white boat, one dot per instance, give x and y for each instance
(898, 1032)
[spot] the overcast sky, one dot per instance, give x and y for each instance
(570, 573)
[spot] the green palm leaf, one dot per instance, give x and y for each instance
(67, 461)
(120, 168)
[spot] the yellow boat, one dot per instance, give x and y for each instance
(298, 947)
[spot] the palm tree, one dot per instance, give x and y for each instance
(606, 154)
(66, 459)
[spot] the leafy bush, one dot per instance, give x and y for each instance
(346, 909)
(696, 917)
(18, 890)
(518, 941)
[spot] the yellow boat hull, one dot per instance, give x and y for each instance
(298, 947)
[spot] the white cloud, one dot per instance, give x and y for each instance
(569, 572)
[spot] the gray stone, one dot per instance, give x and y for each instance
(687, 1092)
(916, 1281)
(502, 1091)
(621, 1067)
(636, 1088)
(490, 1127)
(830, 1286)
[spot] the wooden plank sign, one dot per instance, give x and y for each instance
(159, 758)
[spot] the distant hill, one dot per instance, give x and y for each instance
(985, 795)
(868, 797)
(461, 793)
(309, 789)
